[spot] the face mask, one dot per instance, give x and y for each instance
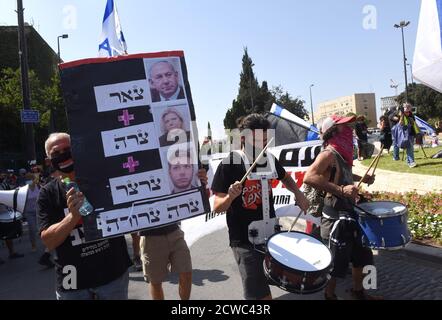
(62, 158)
(343, 143)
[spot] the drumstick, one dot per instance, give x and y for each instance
(371, 165)
(376, 165)
(256, 161)
(296, 220)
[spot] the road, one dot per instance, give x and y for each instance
(216, 277)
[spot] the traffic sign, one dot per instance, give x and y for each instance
(29, 116)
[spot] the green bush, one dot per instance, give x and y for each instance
(424, 213)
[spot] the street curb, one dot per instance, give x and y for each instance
(423, 252)
(428, 253)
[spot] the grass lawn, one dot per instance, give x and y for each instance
(428, 166)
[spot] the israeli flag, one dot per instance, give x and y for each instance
(112, 42)
(427, 64)
(424, 126)
(313, 133)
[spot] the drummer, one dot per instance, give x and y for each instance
(332, 172)
(243, 204)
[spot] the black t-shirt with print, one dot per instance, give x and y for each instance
(96, 263)
(247, 207)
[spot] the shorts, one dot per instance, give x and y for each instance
(344, 238)
(250, 264)
(160, 252)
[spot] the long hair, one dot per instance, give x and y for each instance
(330, 133)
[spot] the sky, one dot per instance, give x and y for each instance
(342, 47)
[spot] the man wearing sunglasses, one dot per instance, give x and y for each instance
(97, 270)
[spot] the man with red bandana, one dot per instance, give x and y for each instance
(332, 173)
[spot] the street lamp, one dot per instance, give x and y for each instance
(402, 25)
(52, 115)
(63, 36)
(411, 72)
(311, 104)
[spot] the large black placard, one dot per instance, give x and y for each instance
(133, 134)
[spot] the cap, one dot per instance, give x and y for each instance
(335, 119)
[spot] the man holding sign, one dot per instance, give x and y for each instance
(96, 270)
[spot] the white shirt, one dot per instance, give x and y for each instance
(173, 97)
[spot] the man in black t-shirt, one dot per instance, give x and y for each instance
(243, 203)
(96, 270)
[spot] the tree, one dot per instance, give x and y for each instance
(427, 101)
(248, 84)
(42, 98)
(251, 98)
(255, 98)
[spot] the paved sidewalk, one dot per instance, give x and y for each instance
(399, 182)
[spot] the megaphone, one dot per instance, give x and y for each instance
(15, 199)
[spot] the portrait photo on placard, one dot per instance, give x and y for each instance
(180, 162)
(172, 124)
(165, 79)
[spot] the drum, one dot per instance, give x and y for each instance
(10, 225)
(386, 226)
(297, 262)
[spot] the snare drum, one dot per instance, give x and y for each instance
(386, 227)
(297, 262)
(10, 225)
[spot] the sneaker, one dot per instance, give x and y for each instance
(45, 260)
(137, 264)
(412, 165)
(16, 255)
(395, 159)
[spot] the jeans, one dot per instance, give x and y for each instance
(114, 290)
(410, 151)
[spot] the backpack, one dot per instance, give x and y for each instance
(316, 197)
(401, 135)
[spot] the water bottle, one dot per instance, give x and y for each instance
(86, 208)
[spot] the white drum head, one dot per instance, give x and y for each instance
(299, 251)
(384, 209)
(8, 216)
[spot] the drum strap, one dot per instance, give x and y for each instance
(335, 225)
(14, 203)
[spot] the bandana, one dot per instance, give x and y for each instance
(342, 142)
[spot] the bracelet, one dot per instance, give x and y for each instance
(342, 191)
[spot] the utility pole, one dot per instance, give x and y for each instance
(311, 104)
(401, 26)
(23, 56)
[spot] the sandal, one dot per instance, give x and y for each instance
(363, 295)
(333, 297)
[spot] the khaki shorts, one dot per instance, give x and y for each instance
(160, 252)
